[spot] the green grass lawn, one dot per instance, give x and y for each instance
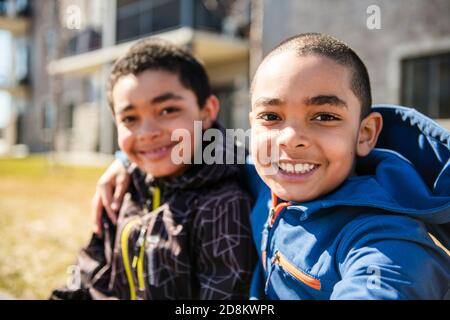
(45, 219)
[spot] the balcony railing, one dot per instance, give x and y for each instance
(87, 40)
(140, 18)
(15, 8)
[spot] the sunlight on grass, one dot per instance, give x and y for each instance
(45, 214)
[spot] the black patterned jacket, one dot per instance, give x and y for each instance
(196, 245)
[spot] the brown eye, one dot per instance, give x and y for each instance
(169, 110)
(269, 117)
(128, 119)
(325, 117)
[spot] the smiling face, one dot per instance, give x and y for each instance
(148, 108)
(304, 107)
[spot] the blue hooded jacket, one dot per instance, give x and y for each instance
(369, 238)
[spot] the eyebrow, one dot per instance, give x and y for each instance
(266, 101)
(156, 100)
(326, 99)
(125, 109)
(166, 96)
(313, 101)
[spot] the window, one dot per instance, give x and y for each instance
(19, 128)
(91, 89)
(209, 15)
(47, 116)
(70, 109)
(426, 84)
(140, 18)
(21, 106)
(14, 7)
(6, 104)
(6, 43)
(22, 58)
(22, 7)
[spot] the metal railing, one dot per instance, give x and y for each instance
(15, 8)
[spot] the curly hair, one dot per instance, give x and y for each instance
(158, 54)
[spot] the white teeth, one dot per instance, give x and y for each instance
(151, 152)
(289, 168)
(297, 168)
(158, 150)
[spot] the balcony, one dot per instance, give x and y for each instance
(210, 47)
(15, 8)
(140, 18)
(14, 15)
(16, 91)
(84, 41)
(14, 68)
(215, 35)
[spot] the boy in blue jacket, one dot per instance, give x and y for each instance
(343, 222)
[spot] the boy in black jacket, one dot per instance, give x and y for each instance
(183, 229)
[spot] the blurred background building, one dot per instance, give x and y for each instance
(56, 56)
(59, 54)
(15, 88)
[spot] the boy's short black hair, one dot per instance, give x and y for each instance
(341, 53)
(158, 54)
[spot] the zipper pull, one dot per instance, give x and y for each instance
(275, 259)
(275, 211)
(141, 239)
(139, 243)
(147, 207)
(271, 214)
(156, 197)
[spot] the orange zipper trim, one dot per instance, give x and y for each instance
(277, 207)
(274, 212)
(263, 257)
(297, 274)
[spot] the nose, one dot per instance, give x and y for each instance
(292, 137)
(149, 129)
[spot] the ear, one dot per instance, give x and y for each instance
(369, 131)
(210, 111)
